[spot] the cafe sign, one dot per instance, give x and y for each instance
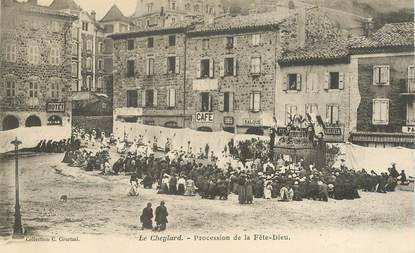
(408, 129)
(55, 107)
(204, 117)
(252, 122)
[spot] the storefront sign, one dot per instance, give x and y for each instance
(55, 107)
(227, 120)
(204, 117)
(333, 131)
(252, 122)
(408, 129)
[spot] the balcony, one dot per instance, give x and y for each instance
(407, 87)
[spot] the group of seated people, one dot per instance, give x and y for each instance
(51, 146)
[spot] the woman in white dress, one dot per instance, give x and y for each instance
(267, 189)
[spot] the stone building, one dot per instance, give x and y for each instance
(35, 69)
(386, 74)
(164, 13)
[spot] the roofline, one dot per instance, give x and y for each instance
(243, 29)
(143, 33)
(314, 61)
(382, 49)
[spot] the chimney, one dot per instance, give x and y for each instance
(368, 26)
(93, 14)
(301, 37)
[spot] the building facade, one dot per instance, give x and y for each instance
(386, 74)
(35, 70)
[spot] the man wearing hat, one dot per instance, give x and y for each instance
(161, 217)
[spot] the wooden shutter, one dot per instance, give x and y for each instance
(376, 77)
(231, 101)
(148, 66)
(143, 98)
(166, 65)
(251, 103)
(299, 82)
(177, 65)
(257, 102)
(235, 42)
(210, 102)
(211, 68)
(326, 80)
(335, 113)
(155, 97)
(234, 66)
(411, 73)
(385, 74)
(172, 97)
(222, 68)
(221, 102)
(198, 66)
(341, 80)
(285, 82)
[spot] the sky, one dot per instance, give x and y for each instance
(101, 7)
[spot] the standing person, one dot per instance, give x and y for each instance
(267, 190)
(403, 178)
(173, 185)
(249, 191)
(242, 190)
(146, 217)
(161, 217)
(190, 187)
(181, 185)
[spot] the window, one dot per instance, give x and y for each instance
(334, 80)
(172, 40)
(332, 114)
(172, 4)
(255, 104)
(290, 111)
(55, 90)
(150, 7)
(206, 102)
(256, 39)
(89, 83)
(171, 98)
(74, 49)
(171, 64)
(55, 26)
(132, 96)
(380, 112)
(294, 82)
(85, 26)
(205, 68)
(54, 58)
(381, 75)
(311, 108)
(10, 89)
(229, 66)
(149, 98)
(130, 68)
(411, 79)
(229, 42)
(150, 42)
(150, 67)
(187, 7)
(173, 20)
(34, 54)
(130, 44)
(255, 65)
(227, 101)
(100, 83)
(196, 8)
(89, 45)
(211, 10)
(100, 47)
(75, 33)
(74, 69)
(410, 113)
(33, 89)
(89, 63)
(205, 44)
(100, 64)
(10, 52)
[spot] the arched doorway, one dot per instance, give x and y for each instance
(33, 121)
(205, 129)
(10, 122)
(255, 130)
(54, 120)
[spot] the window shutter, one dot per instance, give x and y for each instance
(221, 102)
(166, 65)
(143, 98)
(254, 42)
(386, 74)
(299, 82)
(341, 80)
(411, 73)
(257, 102)
(177, 65)
(231, 101)
(211, 68)
(235, 42)
(210, 102)
(251, 103)
(285, 82)
(172, 97)
(326, 80)
(148, 66)
(328, 112)
(222, 68)
(225, 42)
(335, 113)
(385, 111)
(375, 75)
(235, 66)
(198, 72)
(155, 97)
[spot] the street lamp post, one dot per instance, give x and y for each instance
(17, 228)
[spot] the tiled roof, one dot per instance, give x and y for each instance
(65, 4)
(316, 52)
(241, 22)
(114, 14)
(29, 7)
(390, 35)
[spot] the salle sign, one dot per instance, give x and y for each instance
(408, 129)
(55, 107)
(204, 117)
(252, 122)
